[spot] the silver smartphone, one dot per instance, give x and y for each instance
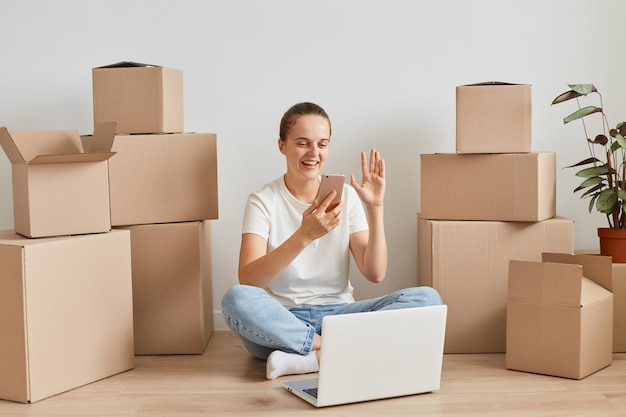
(328, 183)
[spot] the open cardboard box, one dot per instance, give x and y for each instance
(560, 315)
(66, 312)
(58, 189)
(143, 98)
(493, 117)
(619, 302)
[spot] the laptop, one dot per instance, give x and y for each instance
(375, 355)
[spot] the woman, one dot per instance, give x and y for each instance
(295, 256)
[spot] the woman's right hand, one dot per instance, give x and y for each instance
(317, 222)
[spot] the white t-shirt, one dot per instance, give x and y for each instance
(319, 274)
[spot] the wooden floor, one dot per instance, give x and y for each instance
(226, 381)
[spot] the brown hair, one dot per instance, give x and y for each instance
(297, 110)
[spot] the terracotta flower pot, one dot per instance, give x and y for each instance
(613, 243)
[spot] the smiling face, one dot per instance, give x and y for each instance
(306, 147)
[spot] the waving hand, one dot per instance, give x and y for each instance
(372, 187)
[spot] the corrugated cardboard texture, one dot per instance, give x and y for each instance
(493, 118)
(468, 262)
(143, 99)
(548, 332)
(500, 187)
(172, 288)
(163, 178)
(76, 294)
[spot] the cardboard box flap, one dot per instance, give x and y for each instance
(102, 138)
(597, 268)
(10, 149)
(56, 146)
(490, 83)
(72, 157)
(23, 146)
(545, 282)
(592, 292)
(128, 64)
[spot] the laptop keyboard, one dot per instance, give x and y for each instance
(311, 391)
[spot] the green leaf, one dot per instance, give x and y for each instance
(591, 190)
(587, 161)
(592, 201)
(582, 89)
(568, 95)
(593, 171)
(606, 201)
(621, 140)
(621, 194)
(589, 182)
(615, 146)
(580, 113)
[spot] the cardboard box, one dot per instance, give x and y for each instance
(619, 302)
(502, 187)
(468, 262)
(493, 117)
(619, 307)
(142, 98)
(172, 287)
(163, 178)
(58, 189)
(66, 313)
(560, 315)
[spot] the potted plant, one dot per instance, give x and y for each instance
(603, 172)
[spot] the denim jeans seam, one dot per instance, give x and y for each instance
(240, 325)
(386, 301)
(308, 343)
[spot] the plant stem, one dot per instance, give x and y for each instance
(589, 144)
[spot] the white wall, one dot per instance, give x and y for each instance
(385, 71)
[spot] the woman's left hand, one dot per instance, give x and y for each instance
(372, 188)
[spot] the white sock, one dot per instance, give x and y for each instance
(281, 363)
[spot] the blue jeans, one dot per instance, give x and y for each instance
(264, 325)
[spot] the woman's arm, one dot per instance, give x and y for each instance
(259, 268)
(369, 248)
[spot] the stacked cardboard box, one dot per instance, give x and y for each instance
(491, 243)
(58, 188)
(66, 314)
(75, 306)
(468, 262)
(492, 201)
(65, 281)
(163, 189)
